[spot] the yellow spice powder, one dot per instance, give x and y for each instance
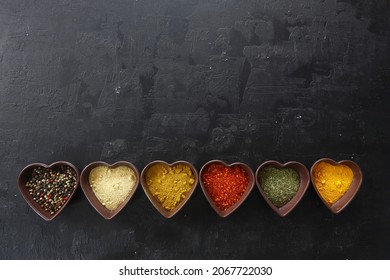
(332, 181)
(112, 185)
(169, 184)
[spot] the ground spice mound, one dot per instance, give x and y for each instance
(279, 184)
(332, 181)
(169, 184)
(225, 185)
(112, 185)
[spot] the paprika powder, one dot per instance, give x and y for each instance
(225, 185)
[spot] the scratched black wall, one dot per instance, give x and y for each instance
(196, 80)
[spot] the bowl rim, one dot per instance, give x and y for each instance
(91, 196)
(348, 196)
(154, 202)
(28, 198)
(304, 181)
(234, 207)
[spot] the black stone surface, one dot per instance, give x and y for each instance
(196, 80)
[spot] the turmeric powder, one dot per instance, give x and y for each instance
(169, 184)
(332, 181)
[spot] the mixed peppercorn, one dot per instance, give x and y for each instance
(51, 188)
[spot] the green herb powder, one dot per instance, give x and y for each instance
(279, 184)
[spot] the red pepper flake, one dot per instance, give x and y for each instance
(225, 185)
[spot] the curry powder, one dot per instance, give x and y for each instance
(169, 184)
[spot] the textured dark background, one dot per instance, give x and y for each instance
(196, 80)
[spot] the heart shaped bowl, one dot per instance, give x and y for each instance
(340, 204)
(304, 180)
(25, 175)
(154, 201)
(231, 209)
(91, 196)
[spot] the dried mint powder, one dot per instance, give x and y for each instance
(279, 184)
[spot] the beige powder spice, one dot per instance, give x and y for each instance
(112, 185)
